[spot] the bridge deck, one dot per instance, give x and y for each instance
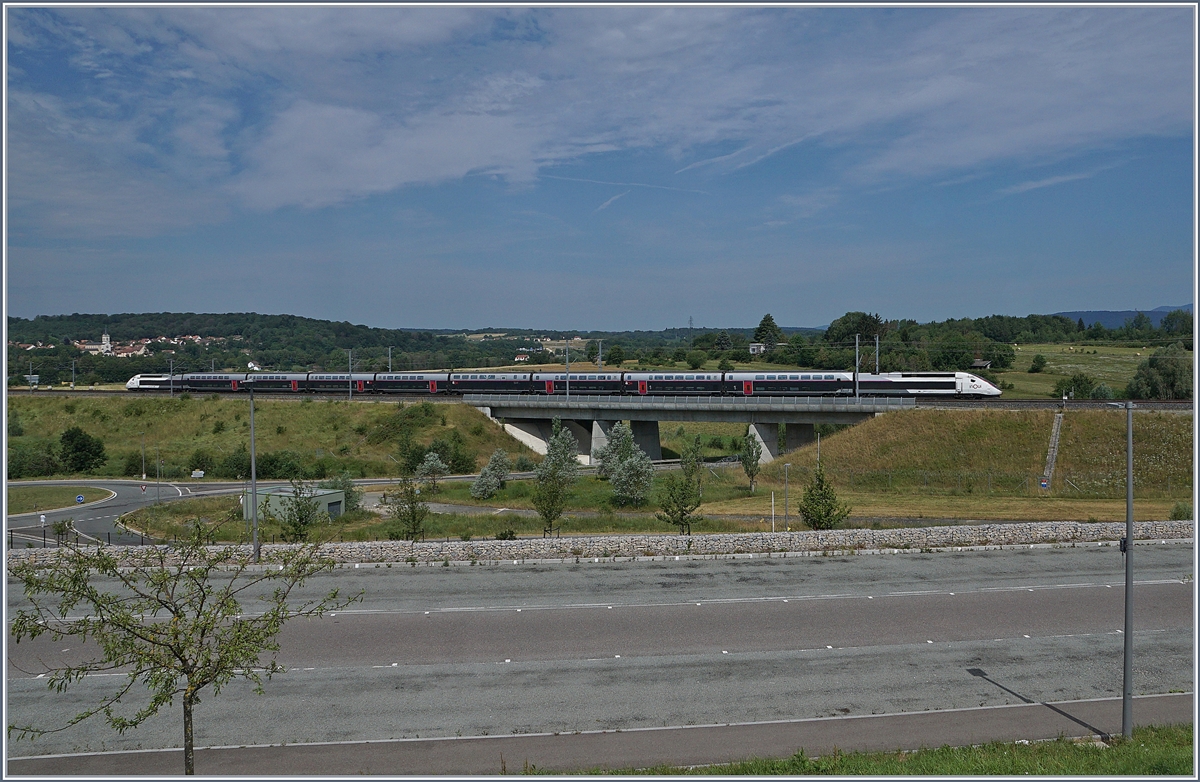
(689, 408)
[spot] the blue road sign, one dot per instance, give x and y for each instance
(1045, 482)
(79, 498)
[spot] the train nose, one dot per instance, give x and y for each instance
(131, 384)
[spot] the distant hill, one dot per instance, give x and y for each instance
(1114, 319)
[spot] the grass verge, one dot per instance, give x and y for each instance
(30, 499)
(1153, 750)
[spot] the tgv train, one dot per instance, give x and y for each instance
(658, 383)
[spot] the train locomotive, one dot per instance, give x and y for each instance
(790, 383)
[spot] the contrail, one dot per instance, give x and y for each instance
(609, 201)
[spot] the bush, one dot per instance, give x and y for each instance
(80, 451)
(523, 464)
(279, 465)
(1038, 364)
(1165, 375)
(199, 460)
(507, 534)
(725, 366)
(1077, 386)
(31, 459)
(819, 506)
(14, 424)
(344, 483)
(1182, 512)
(696, 358)
(1102, 391)
(133, 463)
(235, 465)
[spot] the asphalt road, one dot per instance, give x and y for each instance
(536, 649)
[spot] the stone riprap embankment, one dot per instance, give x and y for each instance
(631, 546)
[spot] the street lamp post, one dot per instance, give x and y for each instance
(567, 343)
(157, 476)
(1127, 549)
(253, 477)
(143, 456)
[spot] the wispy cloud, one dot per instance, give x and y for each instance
(1024, 187)
(607, 203)
(623, 184)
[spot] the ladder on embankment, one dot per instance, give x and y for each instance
(1052, 452)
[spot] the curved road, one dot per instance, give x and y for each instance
(558, 649)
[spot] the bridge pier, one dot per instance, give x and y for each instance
(645, 436)
(600, 433)
(767, 434)
(536, 433)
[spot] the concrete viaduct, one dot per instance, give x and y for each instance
(590, 417)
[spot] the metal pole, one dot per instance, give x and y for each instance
(171, 376)
(157, 476)
(350, 369)
(72, 374)
(143, 456)
(253, 478)
(877, 354)
(599, 353)
(1127, 695)
(389, 358)
(856, 366)
(818, 449)
(566, 342)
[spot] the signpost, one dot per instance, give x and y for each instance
(1044, 482)
(79, 498)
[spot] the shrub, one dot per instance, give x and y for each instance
(1182, 512)
(523, 464)
(14, 424)
(235, 465)
(1165, 375)
(506, 534)
(344, 483)
(31, 459)
(819, 506)
(696, 358)
(1038, 364)
(1077, 386)
(80, 451)
(133, 463)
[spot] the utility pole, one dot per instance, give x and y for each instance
(171, 376)
(143, 456)
(157, 476)
(253, 477)
(877, 354)
(389, 358)
(350, 369)
(566, 342)
(599, 354)
(1127, 549)
(856, 366)
(72, 374)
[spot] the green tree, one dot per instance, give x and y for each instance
(724, 341)
(844, 328)
(696, 358)
(749, 456)
(1038, 363)
(619, 448)
(14, 424)
(201, 459)
(170, 618)
(406, 512)
(952, 352)
(235, 464)
(593, 348)
(300, 513)
(345, 484)
(80, 451)
(1077, 386)
(555, 476)
(767, 332)
(632, 479)
(614, 355)
(1165, 375)
(492, 476)
(678, 499)
(431, 470)
(819, 507)
(725, 365)
(1177, 322)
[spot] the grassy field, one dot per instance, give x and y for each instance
(345, 435)
(1112, 365)
(30, 499)
(1153, 750)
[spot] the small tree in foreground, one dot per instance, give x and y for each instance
(749, 456)
(431, 470)
(175, 621)
(405, 510)
(555, 476)
(678, 500)
(819, 506)
(491, 477)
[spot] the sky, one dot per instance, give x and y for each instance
(607, 168)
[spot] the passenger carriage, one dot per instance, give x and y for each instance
(580, 382)
(679, 383)
(412, 382)
(489, 382)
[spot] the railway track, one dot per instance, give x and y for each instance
(1173, 406)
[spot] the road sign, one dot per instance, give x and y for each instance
(143, 488)
(1044, 482)
(79, 498)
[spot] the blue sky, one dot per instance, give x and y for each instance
(599, 168)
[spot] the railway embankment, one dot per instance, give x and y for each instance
(806, 543)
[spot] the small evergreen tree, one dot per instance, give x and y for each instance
(1038, 364)
(632, 479)
(555, 476)
(492, 476)
(301, 512)
(749, 456)
(430, 470)
(405, 510)
(81, 451)
(620, 447)
(678, 500)
(819, 507)
(767, 332)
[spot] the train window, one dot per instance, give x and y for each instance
(759, 377)
(770, 377)
(830, 377)
(806, 377)
(795, 377)
(491, 377)
(690, 377)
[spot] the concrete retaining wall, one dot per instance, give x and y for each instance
(743, 543)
